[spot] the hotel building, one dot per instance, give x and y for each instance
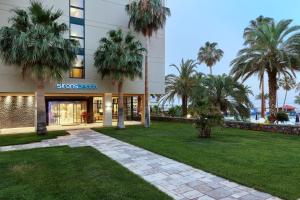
(82, 96)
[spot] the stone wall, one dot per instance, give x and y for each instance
(16, 112)
(274, 128)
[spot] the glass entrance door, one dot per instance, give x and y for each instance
(66, 113)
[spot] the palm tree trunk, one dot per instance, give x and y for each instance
(40, 109)
(120, 124)
(210, 70)
(272, 94)
(184, 105)
(263, 100)
(147, 108)
(284, 101)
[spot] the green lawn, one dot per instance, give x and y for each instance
(26, 138)
(65, 173)
(265, 161)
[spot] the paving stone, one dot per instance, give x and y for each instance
(220, 193)
(228, 198)
(240, 194)
(193, 194)
(183, 189)
(206, 198)
(251, 197)
(229, 184)
(261, 194)
(203, 188)
(179, 181)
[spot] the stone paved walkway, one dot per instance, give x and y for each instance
(178, 180)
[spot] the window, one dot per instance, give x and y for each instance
(79, 61)
(77, 32)
(77, 72)
(75, 12)
(81, 41)
(77, 3)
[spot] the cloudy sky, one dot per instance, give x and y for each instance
(193, 22)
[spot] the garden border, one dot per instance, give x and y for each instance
(273, 128)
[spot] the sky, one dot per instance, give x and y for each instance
(193, 22)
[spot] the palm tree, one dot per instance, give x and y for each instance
(182, 84)
(119, 57)
(250, 36)
(34, 42)
(228, 95)
(215, 96)
(297, 100)
(210, 55)
(287, 83)
(273, 48)
(147, 17)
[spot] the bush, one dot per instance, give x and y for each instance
(175, 111)
(156, 110)
(282, 117)
(204, 123)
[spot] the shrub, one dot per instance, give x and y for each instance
(282, 117)
(204, 123)
(207, 115)
(156, 110)
(175, 111)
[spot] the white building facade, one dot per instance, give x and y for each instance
(82, 96)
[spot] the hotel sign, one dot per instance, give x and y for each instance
(76, 86)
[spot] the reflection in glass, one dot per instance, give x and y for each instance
(75, 12)
(79, 61)
(81, 41)
(77, 30)
(77, 3)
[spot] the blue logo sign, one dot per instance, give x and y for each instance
(76, 86)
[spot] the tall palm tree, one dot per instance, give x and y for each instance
(273, 48)
(182, 84)
(119, 57)
(210, 55)
(34, 42)
(250, 36)
(147, 17)
(228, 95)
(287, 83)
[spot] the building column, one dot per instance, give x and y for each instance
(90, 110)
(107, 109)
(142, 109)
(131, 108)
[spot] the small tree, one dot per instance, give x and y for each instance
(297, 100)
(119, 57)
(34, 42)
(287, 83)
(213, 97)
(207, 116)
(181, 85)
